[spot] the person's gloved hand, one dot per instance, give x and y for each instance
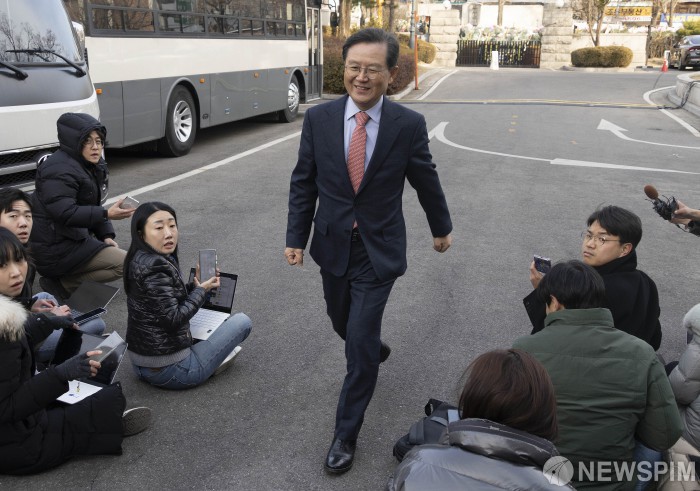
(74, 368)
(62, 322)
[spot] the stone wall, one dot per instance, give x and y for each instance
(557, 36)
(444, 33)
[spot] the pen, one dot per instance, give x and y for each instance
(78, 388)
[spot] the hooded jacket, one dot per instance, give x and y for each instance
(685, 380)
(33, 438)
(630, 295)
(477, 454)
(70, 223)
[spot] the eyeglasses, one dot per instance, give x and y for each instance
(370, 73)
(90, 142)
(599, 239)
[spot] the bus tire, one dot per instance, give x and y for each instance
(289, 114)
(180, 124)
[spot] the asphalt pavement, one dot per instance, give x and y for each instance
(522, 161)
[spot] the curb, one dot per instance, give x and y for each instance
(673, 97)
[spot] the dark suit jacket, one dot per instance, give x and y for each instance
(321, 173)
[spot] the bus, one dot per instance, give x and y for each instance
(43, 74)
(164, 69)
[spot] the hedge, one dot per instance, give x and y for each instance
(602, 56)
(426, 50)
(333, 67)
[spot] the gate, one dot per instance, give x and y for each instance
(522, 54)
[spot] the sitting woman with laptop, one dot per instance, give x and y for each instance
(161, 304)
(42, 308)
(36, 432)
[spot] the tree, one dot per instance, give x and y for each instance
(593, 12)
(499, 20)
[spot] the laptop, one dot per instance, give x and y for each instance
(73, 342)
(90, 295)
(216, 310)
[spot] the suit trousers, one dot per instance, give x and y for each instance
(355, 304)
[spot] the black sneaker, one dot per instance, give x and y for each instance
(54, 287)
(135, 420)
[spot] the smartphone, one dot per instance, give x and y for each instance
(110, 343)
(129, 203)
(207, 264)
(542, 264)
(83, 318)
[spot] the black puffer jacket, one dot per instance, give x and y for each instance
(160, 305)
(70, 223)
(477, 454)
(33, 438)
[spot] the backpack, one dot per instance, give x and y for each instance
(426, 430)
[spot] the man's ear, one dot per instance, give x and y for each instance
(626, 249)
(554, 305)
(392, 73)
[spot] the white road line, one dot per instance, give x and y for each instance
(678, 120)
(204, 168)
(584, 163)
(439, 133)
(430, 91)
(606, 125)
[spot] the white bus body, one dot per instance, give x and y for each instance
(164, 69)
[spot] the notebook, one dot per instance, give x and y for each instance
(90, 295)
(216, 310)
(73, 342)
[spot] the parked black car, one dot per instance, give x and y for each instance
(686, 53)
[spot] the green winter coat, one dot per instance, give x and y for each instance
(611, 390)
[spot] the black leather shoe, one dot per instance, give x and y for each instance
(340, 456)
(384, 352)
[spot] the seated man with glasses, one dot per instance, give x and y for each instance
(609, 246)
(72, 239)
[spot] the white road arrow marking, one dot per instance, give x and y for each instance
(439, 134)
(618, 132)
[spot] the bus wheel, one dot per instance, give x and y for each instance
(290, 113)
(180, 124)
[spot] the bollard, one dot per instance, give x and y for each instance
(494, 60)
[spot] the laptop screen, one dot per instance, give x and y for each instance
(91, 295)
(221, 299)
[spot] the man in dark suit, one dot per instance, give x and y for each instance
(354, 156)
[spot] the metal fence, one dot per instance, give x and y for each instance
(523, 54)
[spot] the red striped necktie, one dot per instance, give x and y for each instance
(356, 151)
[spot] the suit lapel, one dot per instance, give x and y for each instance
(335, 134)
(388, 132)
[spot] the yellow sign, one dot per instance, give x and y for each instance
(627, 11)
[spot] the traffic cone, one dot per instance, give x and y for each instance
(664, 67)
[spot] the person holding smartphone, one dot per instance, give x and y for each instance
(609, 245)
(35, 434)
(41, 308)
(160, 306)
(73, 238)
